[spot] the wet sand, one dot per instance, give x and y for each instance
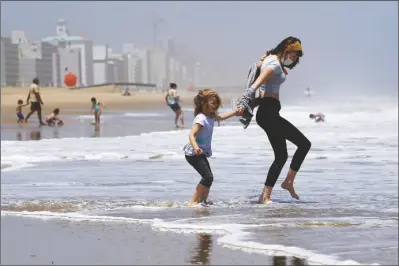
(60, 242)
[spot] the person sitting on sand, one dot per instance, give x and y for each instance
(207, 102)
(318, 117)
(172, 100)
(97, 108)
(53, 119)
(19, 111)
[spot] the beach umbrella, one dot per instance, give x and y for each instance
(70, 80)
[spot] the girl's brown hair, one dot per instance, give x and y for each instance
(201, 99)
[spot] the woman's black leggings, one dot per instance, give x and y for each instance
(279, 130)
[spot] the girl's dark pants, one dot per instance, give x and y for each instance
(201, 165)
(279, 130)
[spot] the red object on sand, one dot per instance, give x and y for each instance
(70, 80)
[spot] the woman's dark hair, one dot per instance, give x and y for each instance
(93, 100)
(172, 85)
(35, 81)
(280, 48)
(311, 115)
(20, 102)
(56, 111)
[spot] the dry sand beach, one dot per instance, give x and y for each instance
(74, 101)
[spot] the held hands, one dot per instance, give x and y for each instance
(239, 111)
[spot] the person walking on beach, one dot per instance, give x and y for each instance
(207, 103)
(278, 130)
(35, 100)
(172, 99)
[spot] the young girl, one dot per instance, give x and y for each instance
(97, 108)
(53, 118)
(207, 103)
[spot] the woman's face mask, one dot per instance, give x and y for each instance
(287, 61)
(291, 57)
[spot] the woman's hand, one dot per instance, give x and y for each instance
(239, 111)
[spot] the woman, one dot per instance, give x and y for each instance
(172, 100)
(273, 74)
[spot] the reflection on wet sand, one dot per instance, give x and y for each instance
(96, 131)
(35, 135)
(282, 261)
(32, 135)
(201, 252)
(19, 136)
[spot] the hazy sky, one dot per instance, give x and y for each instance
(348, 46)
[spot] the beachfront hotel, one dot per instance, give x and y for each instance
(10, 61)
(53, 57)
(85, 46)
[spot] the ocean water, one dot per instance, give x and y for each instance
(348, 185)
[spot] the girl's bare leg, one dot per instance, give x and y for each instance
(200, 195)
(177, 113)
(182, 118)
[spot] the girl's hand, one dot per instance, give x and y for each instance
(239, 111)
(198, 151)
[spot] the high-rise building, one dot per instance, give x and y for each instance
(100, 63)
(65, 40)
(159, 66)
(116, 68)
(168, 46)
(11, 62)
(145, 70)
(3, 65)
(132, 68)
(69, 61)
(35, 60)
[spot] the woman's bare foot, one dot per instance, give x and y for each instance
(290, 187)
(265, 201)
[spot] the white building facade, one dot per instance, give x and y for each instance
(100, 64)
(10, 61)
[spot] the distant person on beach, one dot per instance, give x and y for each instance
(19, 111)
(273, 73)
(53, 119)
(172, 100)
(318, 117)
(96, 108)
(207, 103)
(35, 100)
